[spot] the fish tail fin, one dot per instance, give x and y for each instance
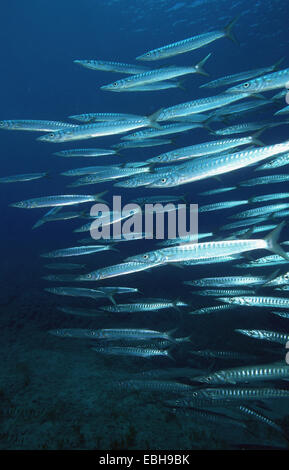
(175, 305)
(255, 137)
(271, 277)
(169, 353)
(98, 197)
(171, 332)
(185, 339)
(200, 66)
(228, 30)
(113, 248)
(112, 299)
(272, 241)
(181, 85)
(276, 65)
(154, 117)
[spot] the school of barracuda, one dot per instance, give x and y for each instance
(203, 390)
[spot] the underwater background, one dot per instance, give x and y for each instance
(54, 392)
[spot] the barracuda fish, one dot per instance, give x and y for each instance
(260, 417)
(142, 143)
(158, 199)
(245, 107)
(106, 219)
(116, 270)
(166, 85)
(273, 336)
(244, 127)
(54, 201)
(89, 170)
(144, 306)
(269, 197)
(244, 223)
(77, 292)
(264, 228)
(84, 153)
(114, 334)
(144, 179)
(194, 251)
(203, 168)
(236, 393)
(271, 260)
(226, 355)
(34, 125)
(132, 351)
(212, 192)
(275, 163)
(229, 281)
(283, 288)
(247, 374)
(282, 111)
(208, 311)
(221, 205)
(265, 180)
(199, 150)
(89, 131)
(218, 292)
(239, 77)
(257, 301)
(109, 175)
(21, 178)
(271, 81)
(59, 278)
(154, 386)
(164, 130)
(63, 216)
(200, 105)
(101, 117)
(119, 290)
(76, 251)
(43, 220)
(156, 75)
(186, 239)
(189, 44)
(82, 312)
(260, 211)
(220, 259)
(65, 266)
(108, 66)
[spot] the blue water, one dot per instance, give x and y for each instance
(54, 392)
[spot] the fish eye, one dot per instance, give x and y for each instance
(1, 123)
(115, 84)
(148, 54)
(163, 180)
(88, 276)
(51, 135)
(246, 85)
(145, 256)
